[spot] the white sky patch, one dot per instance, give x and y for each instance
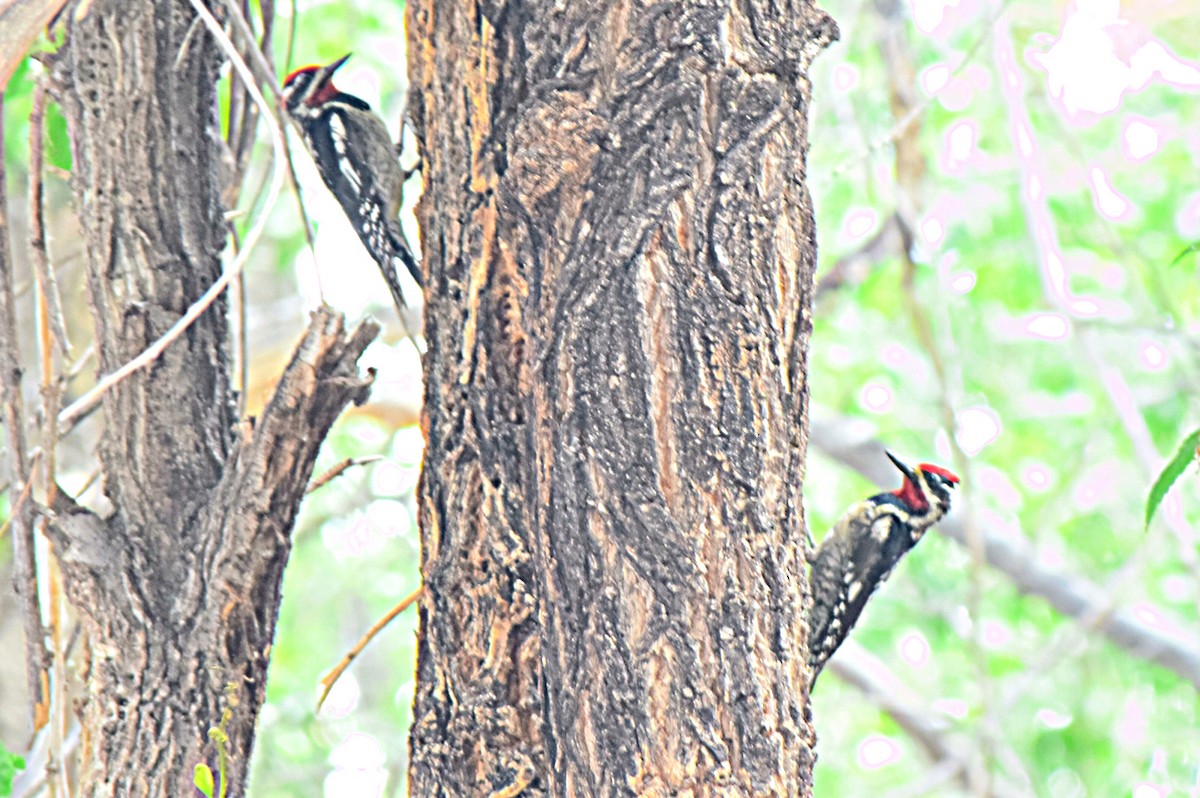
(1098, 58)
(389, 479)
(1024, 139)
(1146, 789)
(941, 445)
(997, 484)
(840, 353)
(933, 231)
(914, 649)
(1153, 356)
(1082, 306)
(1140, 139)
(877, 751)
(960, 143)
(398, 365)
(952, 707)
(1171, 508)
(927, 14)
(1033, 188)
(1053, 270)
(1177, 587)
(1187, 218)
(389, 518)
(1109, 202)
(899, 357)
(353, 536)
(845, 77)
(1047, 326)
(1151, 616)
(1052, 718)
(876, 397)
(343, 697)
(963, 283)
(1132, 728)
(1037, 477)
(935, 78)
(359, 771)
(409, 444)
(996, 635)
(977, 428)
(1096, 485)
(858, 223)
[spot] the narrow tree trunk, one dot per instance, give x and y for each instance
(620, 253)
(179, 586)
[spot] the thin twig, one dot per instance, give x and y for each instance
(46, 281)
(85, 403)
(17, 504)
(289, 53)
(340, 469)
(330, 679)
(37, 657)
(51, 338)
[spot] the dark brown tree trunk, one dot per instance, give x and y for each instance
(179, 586)
(620, 253)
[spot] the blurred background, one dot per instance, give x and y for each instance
(1006, 193)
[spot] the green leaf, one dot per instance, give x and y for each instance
(1173, 470)
(10, 765)
(202, 777)
(1195, 247)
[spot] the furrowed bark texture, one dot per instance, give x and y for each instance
(179, 586)
(620, 253)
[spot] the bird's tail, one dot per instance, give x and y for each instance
(402, 254)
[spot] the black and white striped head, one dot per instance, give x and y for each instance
(925, 493)
(308, 89)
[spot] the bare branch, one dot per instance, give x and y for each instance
(340, 469)
(46, 281)
(37, 658)
(335, 673)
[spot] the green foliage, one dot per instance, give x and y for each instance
(10, 765)
(1078, 415)
(203, 779)
(1084, 404)
(1189, 452)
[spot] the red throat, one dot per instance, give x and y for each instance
(323, 94)
(912, 496)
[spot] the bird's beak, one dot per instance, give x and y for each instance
(908, 473)
(336, 65)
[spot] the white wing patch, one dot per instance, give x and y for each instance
(881, 528)
(337, 131)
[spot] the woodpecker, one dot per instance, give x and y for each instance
(862, 549)
(359, 164)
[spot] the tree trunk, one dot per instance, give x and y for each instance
(620, 253)
(179, 586)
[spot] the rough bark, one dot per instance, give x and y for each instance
(179, 586)
(620, 252)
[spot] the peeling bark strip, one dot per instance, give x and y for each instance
(620, 249)
(179, 587)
